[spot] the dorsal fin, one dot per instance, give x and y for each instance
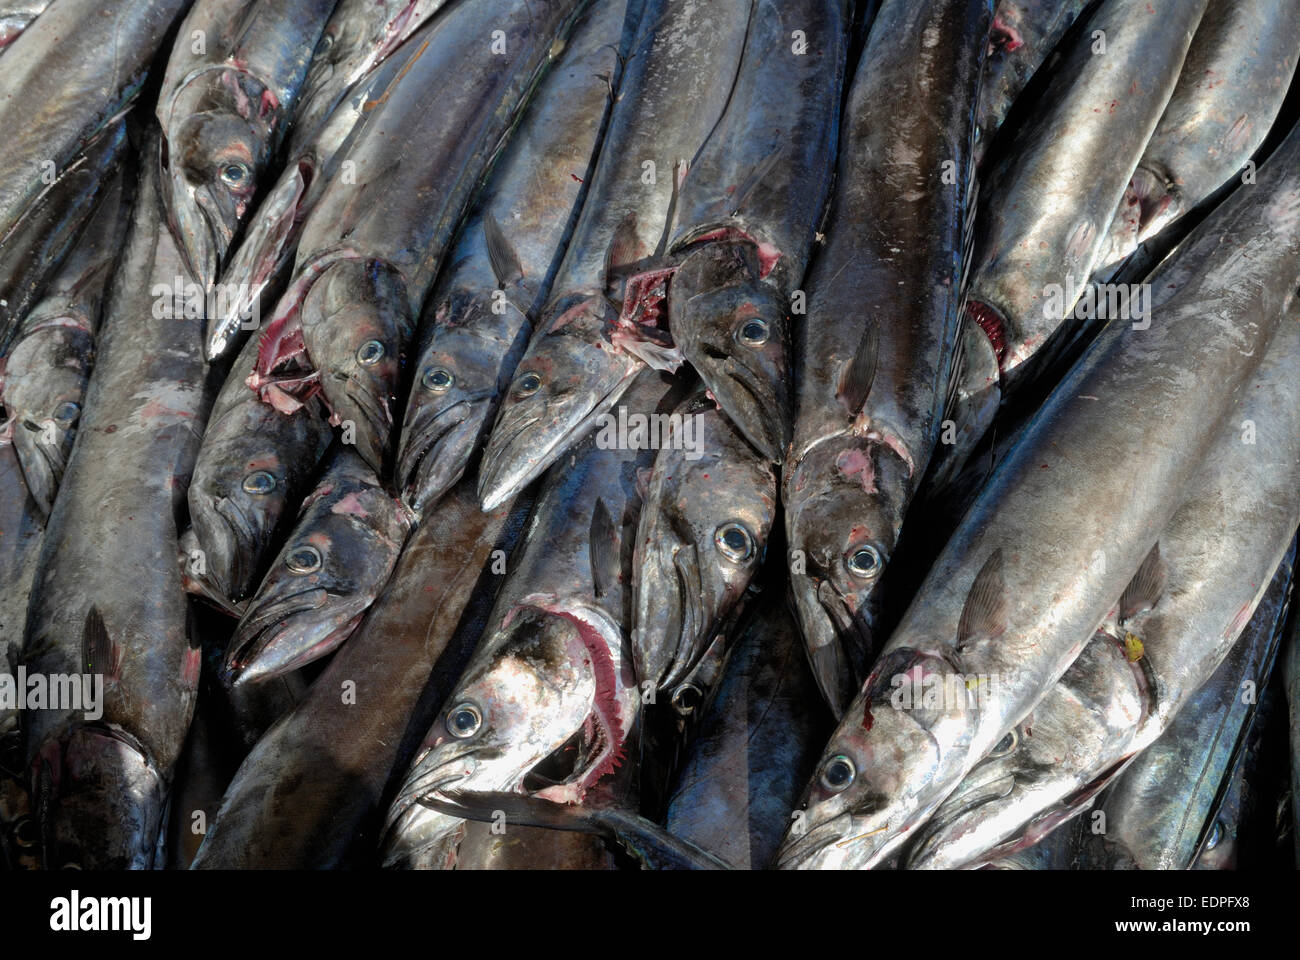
(984, 616)
(603, 545)
(505, 263)
(855, 381)
(98, 653)
(755, 178)
(622, 252)
(1146, 587)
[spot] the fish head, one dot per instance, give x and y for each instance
(319, 587)
(703, 529)
(569, 375)
(454, 394)
(545, 712)
(733, 328)
(99, 800)
(843, 513)
(871, 786)
(217, 134)
(356, 325)
(242, 488)
(43, 386)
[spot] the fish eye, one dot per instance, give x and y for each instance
(837, 773)
(304, 559)
(437, 380)
(864, 562)
(686, 697)
(326, 44)
(528, 384)
(24, 833)
(1216, 835)
(234, 174)
(370, 353)
(67, 411)
(463, 720)
(1006, 745)
(754, 332)
(734, 541)
(260, 482)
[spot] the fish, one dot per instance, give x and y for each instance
(877, 347)
(709, 508)
(598, 333)
(255, 466)
(471, 335)
(229, 90)
(333, 565)
(749, 209)
(43, 376)
(359, 36)
(1234, 79)
(1043, 212)
(373, 244)
(760, 735)
(262, 258)
(548, 703)
(529, 848)
(310, 793)
(103, 57)
(16, 16)
(1291, 679)
(1160, 812)
(107, 598)
(1021, 40)
(1035, 564)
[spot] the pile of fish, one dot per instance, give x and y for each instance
(674, 434)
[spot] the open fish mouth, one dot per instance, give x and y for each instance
(804, 852)
(433, 458)
(229, 542)
(667, 647)
(954, 817)
(288, 633)
(747, 396)
(837, 640)
(42, 464)
(351, 399)
(204, 234)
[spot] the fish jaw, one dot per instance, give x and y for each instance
(733, 329)
(217, 132)
(284, 634)
(580, 377)
(669, 597)
(42, 463)
(356, 326)
(842, 522)
(99, 800)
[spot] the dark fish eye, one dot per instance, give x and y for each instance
(1006, 745)
(686, 697)
(234, 174)
(1216, 835)
(463, 720)
(528, 384)
(370, 352)
(837, 773)
(754, 332)
(326, 44)
(259, 482)
(437, 380)
(304, 559)
(734, 541)
(864, 562)
(66, 412)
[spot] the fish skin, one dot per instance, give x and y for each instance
(371, 249)
(757, 744)
(103, 55)
(359, 36)
(228, 93)
(99, 786)
(1034, 528)
(1162, 807)
(877, 347)
(683, 583)
(1236, 75)
(584, 350)
(297, 616)
(310, 793)
(236, 528)
(1291, 678)
(15, 17)
(1023, 35)
(1044, 212)
(529, 848)
(43, 376)
(534, 195)
(555, 659)
(762, 180)
(259, 265)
